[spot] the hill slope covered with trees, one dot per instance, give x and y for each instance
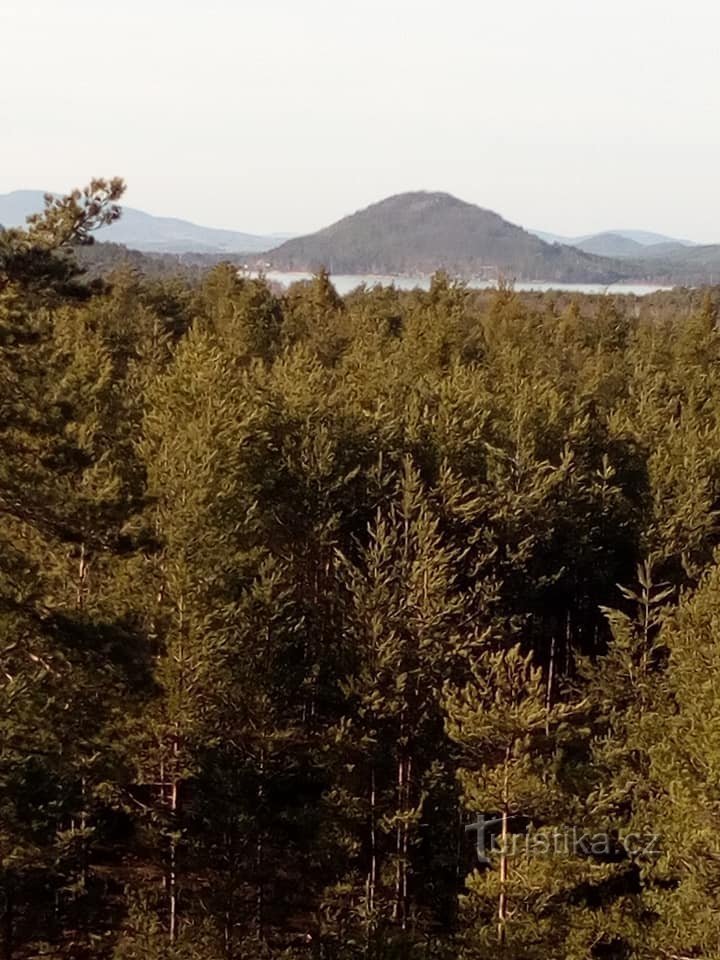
(423, 232)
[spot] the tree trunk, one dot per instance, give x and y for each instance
(372, 875)
(82, 574)
(398, 839)
(550, 683)
(502, 897)
(406, 842)
(402, 841)
(83, 827)
(172, 864)
(260, 856)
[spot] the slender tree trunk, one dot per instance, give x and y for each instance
(550, 684)
(226, 934)
(175, 776)
(372, 875)
(502, 897)
(406, 842)
(400, 843)
(260, 856)
(259, 889)
(172, 864)
(398, 838)
(402, 834)
(567, 642)
(371, 882)
(83, 827)
(82, 575)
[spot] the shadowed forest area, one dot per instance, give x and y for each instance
(294, 587)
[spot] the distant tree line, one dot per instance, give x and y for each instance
(294, 588)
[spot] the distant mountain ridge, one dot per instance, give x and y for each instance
(145, 232)
(619, 243)
(410, 234)
(422, 231)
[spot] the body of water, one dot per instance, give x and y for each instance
(345, 283)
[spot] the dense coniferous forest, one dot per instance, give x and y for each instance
(294, 588)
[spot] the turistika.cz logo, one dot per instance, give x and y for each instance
(557, 841)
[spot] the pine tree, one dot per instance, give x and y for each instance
(682, 795)
(404, 625)
(512, 742)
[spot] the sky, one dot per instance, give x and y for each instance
(570, 116)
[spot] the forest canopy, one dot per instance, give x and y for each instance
(294, 588)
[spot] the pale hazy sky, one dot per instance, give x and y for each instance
(269, 115)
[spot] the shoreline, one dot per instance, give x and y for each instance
(347, 282)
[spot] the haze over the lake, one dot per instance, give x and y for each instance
(563, 116)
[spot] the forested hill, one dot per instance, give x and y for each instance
(422, 232)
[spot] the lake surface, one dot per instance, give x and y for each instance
(344, 283)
